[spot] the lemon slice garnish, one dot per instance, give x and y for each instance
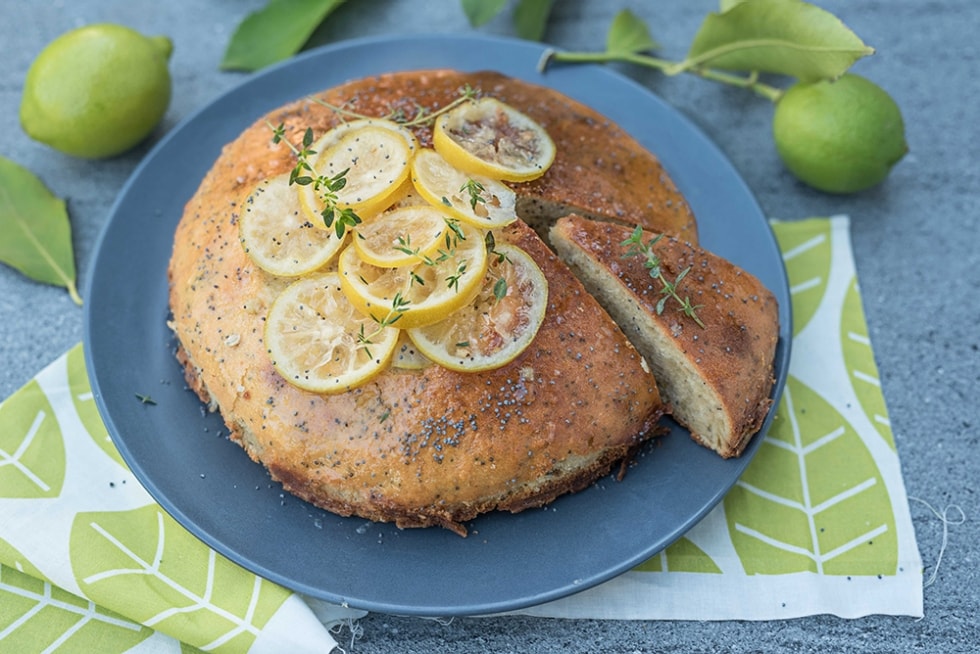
(334, 135)
(374, 162)
(319, 342)
(490, 331)
(278, 236)
(481, 201)
(407, 355)
(419, 294)
(407, 196)
(488, 137)
(401, 237)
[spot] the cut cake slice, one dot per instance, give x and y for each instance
(716, 376)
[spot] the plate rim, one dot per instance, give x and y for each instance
(255, 81)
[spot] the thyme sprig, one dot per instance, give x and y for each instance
(475, 190)
(637, 247)
(422, 114)
(399, 305)
(454, 234)
(499, 286)
(327, 188)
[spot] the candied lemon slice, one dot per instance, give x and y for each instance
(319, 342)
(334, 135)
(419, 294)
(480, 201)
(488, 137)
(278, 236)
(401, 237)
(498, 324)
(407, 356)
(373, 161)
(407, 196)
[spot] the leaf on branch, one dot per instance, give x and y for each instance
(275, 32)
(628, 34)
(531, 18)
(725, 5)
(36, 232)
(788, 37)
(479, 12)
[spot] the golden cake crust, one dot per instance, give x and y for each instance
(599, 171)
(420, 447)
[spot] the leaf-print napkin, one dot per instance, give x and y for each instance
(819, 522)
(89, 562)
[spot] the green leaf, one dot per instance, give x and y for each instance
(36, 232)
(788, 37)
(32, 450)
(531, 18)
(479, 12)
(144, 565)
(275, 32)
(827, 512)
(725, 5)
(628, 34)
(37, 617)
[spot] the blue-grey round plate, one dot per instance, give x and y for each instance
(208, 484)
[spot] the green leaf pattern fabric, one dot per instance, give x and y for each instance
(32, 453)
(37, 616)
(829, 514)
(170, 582)
(807, 255)
(860, 362)
(84, 402)
(818, 523)
(88, 562)
(682, 556)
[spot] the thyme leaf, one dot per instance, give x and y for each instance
(422, 115)
(475, 190)
(399, 305)
(326, 188)
(635, 246)
(500, 288)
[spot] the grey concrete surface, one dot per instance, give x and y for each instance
(915, 241)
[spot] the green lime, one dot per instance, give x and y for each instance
(839, 136)
(97, 91)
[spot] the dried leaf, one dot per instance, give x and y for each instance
(628, 34)
(36, 232)
(788, 37)
(275, 32)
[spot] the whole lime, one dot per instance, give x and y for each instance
(839, 136)
(97, 91)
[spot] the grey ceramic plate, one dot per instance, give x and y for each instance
(212, 488)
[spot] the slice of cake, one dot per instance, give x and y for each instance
(711, 345)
